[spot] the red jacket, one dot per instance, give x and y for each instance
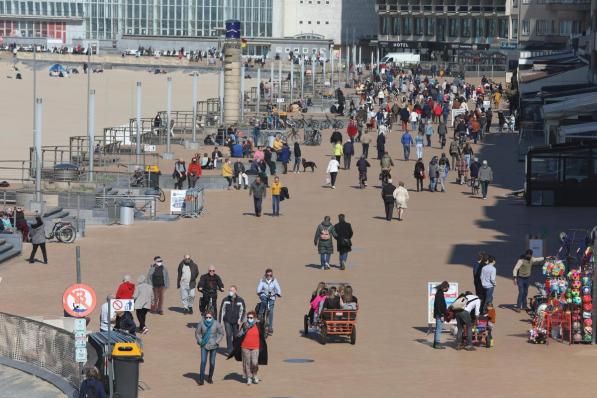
(352, 130)
(194, 169)
(125, 290)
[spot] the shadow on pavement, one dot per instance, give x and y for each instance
(192, 325)
(192, 376)
(180, 310)
(235, 376)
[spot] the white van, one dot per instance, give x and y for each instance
(400, 59)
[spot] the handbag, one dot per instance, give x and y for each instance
(346, 242)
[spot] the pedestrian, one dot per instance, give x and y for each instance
(344, 235)
(485, 177)
(179, 174)
(428, 132)
(338, 151)
(419, 174)
(125, 289)
(442, 132)
(106, 324)
(267, 156)
(38, 239)
(401, 200)
(419, 142)
(250, 348)
(433, 174)
(227, 172)
(522, 274)
(387, 195)
(477, 269)
(440, 311)
(284, 157)
(464, 317)
(462, 170)
(365, 141)
(208, 334)
(443, 170)
(332, 170)
(297, 158)
(158, 277)
(240, 175)
(381, 145)
(258, 191)
(454, 151)
(143, 297)
(276, 192)
(413, 118)
(407, 142)
(125, 322)
(324, 233)
(348, 151)
(186, 282)
(232, 313)
(195, 172)
(488, 274)
(92, 386)
(209, 285)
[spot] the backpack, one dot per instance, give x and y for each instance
(459, 304)
(324, 234)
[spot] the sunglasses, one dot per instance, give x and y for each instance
(269, 274)
(208, 317)
(250, 317)
(212, 270)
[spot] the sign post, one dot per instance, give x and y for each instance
(79, 301)
(450, 297)
(177, 200)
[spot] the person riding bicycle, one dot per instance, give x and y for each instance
(362, 165)
(209, 284)
(386, 164)
(267, 290)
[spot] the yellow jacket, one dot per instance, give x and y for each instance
(338, 149)
(277, 145)
(227, 170)
(276, 188)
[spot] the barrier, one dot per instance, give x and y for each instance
(43, 346)
(194, 202)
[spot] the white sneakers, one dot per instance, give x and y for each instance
(255, 380)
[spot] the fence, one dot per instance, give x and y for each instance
(193, 205)
(40, 345)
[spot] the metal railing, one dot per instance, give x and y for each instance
(194, 201)
(40, 345)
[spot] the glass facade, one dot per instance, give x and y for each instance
(108, 19)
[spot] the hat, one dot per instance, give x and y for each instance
(485, 163)
(157, 259)
(127, 278)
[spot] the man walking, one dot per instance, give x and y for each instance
(365, 141)
(232, 312)
(348, 151)
(186, 281)
(158, 277)
(258, 191)
(485, 177)
(343, 239)
(522, 274)
(488, 274)
(440, 311)
(387, 194)
(407, 142)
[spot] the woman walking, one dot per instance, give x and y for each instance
(250, 348)
(276, 192)
(401, 199)
(419, 144)
(143, 297)
(332, 170)
(323, 240)
(343, 239)
(208, 334)
(419, 174)
(38, 239)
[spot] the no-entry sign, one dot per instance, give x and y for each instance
(79, 300)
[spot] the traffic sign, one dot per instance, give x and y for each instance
(79, 300)
(81, 355)
(127, 305)
(81, 343)
(80, 326)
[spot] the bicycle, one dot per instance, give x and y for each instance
(209, 307)
(292, 135)
(263, 313)
(312, 138)
(138, 180)
(362, 179)
(63, 231)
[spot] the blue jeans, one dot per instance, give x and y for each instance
(343, 257)
(325, 259)
(439, 325)
(488, 297)
(212, 362)
(257, 203)
(432, 184)
(297, 164)
(413, 126)
(276, 205)
(523, 290)
(264, 301)
(484, 187)
(406, 151)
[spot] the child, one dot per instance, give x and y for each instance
(316, 304)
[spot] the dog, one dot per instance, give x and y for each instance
(307, 165)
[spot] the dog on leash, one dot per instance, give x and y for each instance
(307, 165)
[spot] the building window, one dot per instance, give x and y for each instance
(452, 27)
(541, 27)
(526, 1)
(565, 28)
(396, 26)
(429, 27)
(465, 28)
(503, 28)
(300, 22)
(418, 26)
(385, 25)
(327, 22)
(525, 29)
(406, 26)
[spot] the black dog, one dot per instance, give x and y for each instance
(306, 165)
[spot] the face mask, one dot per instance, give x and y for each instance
(209, 321)
(231, 294)
(187, 262)
(250, 322)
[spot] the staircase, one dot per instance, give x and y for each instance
(10, 246)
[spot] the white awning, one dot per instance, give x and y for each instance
(585, 103)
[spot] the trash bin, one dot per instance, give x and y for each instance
(126, 358)
(127, 212)
(99, 348)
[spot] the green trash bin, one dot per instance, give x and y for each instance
(126, 358)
